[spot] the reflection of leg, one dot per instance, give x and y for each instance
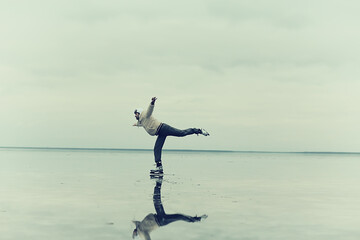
(157, 201)
(163, 218)
(169, 218)
(158, 147)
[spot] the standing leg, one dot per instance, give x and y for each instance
(158, 149)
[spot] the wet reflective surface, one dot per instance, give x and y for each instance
(98, 195)
(161, 218)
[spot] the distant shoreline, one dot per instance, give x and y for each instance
(166, 150)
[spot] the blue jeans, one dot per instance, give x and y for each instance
(166, 130)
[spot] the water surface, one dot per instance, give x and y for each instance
(73, 194)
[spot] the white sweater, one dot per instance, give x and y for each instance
(147, 225)
(147, 121)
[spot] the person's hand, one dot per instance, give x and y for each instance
(153, 100)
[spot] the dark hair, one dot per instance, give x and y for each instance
(135, 233)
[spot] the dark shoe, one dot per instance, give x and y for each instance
(158, 178)
(157, 171)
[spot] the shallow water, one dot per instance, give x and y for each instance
(64, 194)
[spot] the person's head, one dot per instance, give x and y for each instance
(137, 113)
(135, 232)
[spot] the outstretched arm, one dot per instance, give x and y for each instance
(151, 107)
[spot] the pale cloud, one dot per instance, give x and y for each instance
(264, 75)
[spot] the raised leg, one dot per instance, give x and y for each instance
(171, 131)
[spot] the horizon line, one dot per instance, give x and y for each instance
(170, 150)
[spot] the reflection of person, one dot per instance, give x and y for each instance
(162, 130)
(160, 219)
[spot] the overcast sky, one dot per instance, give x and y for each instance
(258, 75)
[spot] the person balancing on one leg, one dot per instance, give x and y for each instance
(161, 130)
